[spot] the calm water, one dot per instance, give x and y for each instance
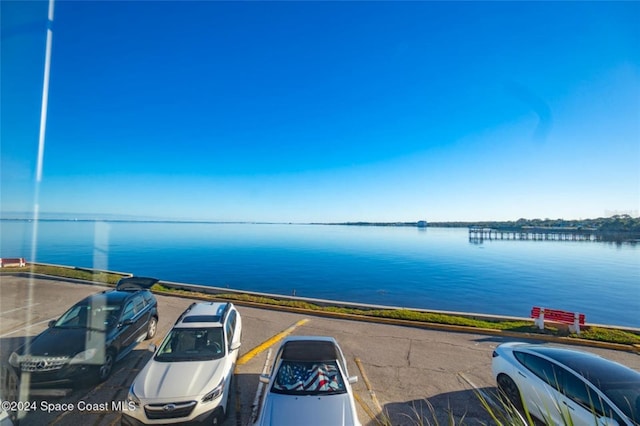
(434, 268)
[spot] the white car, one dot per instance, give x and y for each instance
(309, 385)
(567, 387)
(188, 379)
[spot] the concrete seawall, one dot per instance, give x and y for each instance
(365, 306)
(212, 290)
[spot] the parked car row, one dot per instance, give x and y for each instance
(189, 377)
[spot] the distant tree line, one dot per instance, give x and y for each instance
(372, 223)
(618, 223)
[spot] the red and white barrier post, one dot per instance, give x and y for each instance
(575, 327)
(540, 320)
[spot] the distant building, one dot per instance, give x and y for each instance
(422, 224)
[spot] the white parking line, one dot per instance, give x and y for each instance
(26, 327)
(365, 407)
(372, 394)
(17, 309)
(256, 401)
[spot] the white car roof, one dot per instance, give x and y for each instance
(204, 314)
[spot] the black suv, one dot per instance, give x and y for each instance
(91, 336)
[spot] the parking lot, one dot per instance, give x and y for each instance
(403, 372)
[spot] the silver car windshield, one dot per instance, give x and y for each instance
(191, 344)
(308, 378)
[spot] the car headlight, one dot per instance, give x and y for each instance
(14, 359)
(215, 393)
(83, 356)
(131, 397)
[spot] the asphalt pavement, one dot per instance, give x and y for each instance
(404, 372)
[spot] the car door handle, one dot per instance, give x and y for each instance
(568, 406)
(522, 374)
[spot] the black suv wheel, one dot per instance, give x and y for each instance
(152, 328)
(104, 370)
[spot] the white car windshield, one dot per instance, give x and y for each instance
(192, 344)
(308, 378)
(626, 396)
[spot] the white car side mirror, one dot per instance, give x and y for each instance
(152, 347)
(264, 378)
(353, 379)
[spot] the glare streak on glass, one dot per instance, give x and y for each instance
(24, 384)
(45, 93)
(101, 246)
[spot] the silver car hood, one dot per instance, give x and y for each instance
(312, 410)
(181, 380)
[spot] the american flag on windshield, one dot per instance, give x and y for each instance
(306, 377)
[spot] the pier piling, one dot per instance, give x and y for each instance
(478, 234)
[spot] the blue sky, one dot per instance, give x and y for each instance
(323, 111)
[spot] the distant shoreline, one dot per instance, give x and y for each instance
(619, 228)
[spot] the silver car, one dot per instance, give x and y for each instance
(567, 387)
(309, 384)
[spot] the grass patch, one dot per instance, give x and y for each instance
(399, 314)
(611, 335)
(62, 271)
(430, 317)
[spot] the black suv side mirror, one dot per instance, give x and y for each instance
(126, 322)
(52, 323)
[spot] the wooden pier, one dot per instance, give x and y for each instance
(479, 234)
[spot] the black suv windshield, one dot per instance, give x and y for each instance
(308, 378)
(93, 316)
(192, 344)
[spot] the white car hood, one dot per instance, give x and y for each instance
(182, 380)
(312, 410)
